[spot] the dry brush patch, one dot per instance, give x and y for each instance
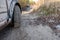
(49, 12)
(49, 15)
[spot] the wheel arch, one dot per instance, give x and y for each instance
(19, 5)
(12, 8)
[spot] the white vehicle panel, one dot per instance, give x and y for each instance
(3, 10)
(3, 17)
(3, 5)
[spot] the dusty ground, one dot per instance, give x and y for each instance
(29, 30)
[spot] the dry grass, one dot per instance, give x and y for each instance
(49, 10)
(50, 15)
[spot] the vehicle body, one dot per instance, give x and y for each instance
(7, 8)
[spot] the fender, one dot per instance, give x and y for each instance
(11, 8)
(12, 4)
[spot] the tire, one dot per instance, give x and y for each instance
(16, 16)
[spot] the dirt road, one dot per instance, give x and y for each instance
(29, 30)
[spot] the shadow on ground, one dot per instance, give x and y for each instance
(5, 32)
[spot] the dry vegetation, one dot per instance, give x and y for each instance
(49, 15)
(23, 3)
(53, 8)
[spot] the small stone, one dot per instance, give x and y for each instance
(58, 27)
(51, 20)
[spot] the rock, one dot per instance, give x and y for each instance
(58, 27)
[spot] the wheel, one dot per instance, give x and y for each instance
(16, 16)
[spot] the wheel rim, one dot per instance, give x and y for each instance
(17, 13)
